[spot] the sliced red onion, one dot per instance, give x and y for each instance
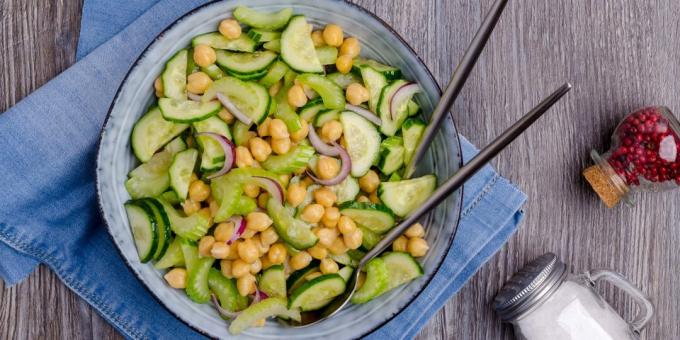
(229, 152)
(223, 312)
(259, 295)
(239, 228)
(364, 113)
(233, 109)
(320, 146)
(403, 94)
(272, 186)
(344, 170)
(194, 97)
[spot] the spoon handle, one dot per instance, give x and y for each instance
(463, 174)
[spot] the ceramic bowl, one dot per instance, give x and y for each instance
(135, 94)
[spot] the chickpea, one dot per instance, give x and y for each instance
(219, 250)
(256, 267)
(296, 96)
(191, 207)
(344, 64)
(269, 236)
(263, 128)
(317, 38)
(277, 253)
(248, 233)
(338, 247)
(325, 196)
(346, 225)
(205, 212)
(416, 230)
(204, 245)
(328, 266)
(369, 182)
(158, 86)
(247, 251)
(400, 244)
(374, 197)
(260, 149)
(318, 252)
(199, 191)
(198, 82)
(262, 200)
(233, 250)
(213, 206)
(204, 55)
(312, 213)
(327, 167)
(274, 89)
(224, 231)
(326, 236)
(363, 199)
(226, 116)
(330, 218)
(239, 268)
(245, 284)
(332, 35)
(230, 29)
(417, 247)
(281, 145)
(356, 94)
(331, 131)
(258, 221)
(251, 190)
(262, 248)
(278, 129)
(265, 262)
(176, 278)
(225, 268)
(300, 260)
(353, 239)
(350, 47)
(243, 157)
(300, 134)
(296, 194)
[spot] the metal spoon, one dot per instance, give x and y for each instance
(439, 196)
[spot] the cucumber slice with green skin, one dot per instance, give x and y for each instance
(248, 76)
(241, 135)
(265, 21)
(292, 230)
(163, 227)
(174, 77)
(274, 45)
(197, 280)
(347, 190)
(150, 179)
(309, 112)
(212, 156)
(275, 73)
(290, 162)
(377, 281)
(332, 95)
(317, 293)
(180, 171)
(404, 196)
(245, 206)
(402, 268)
(273, 281)
(263, 36)
(375, 217)
(286, 112)
(176, 145)
(214, 72)
(170, 196)
(144, 229)
(245, 63)
(187, 111)
(151, 132)
(413, 108)
(389, 72)
(369, 238)
(173, 256)
(343, 259)
(395, 177)
(191, 227)
(362, 140)
(356, 254)
(412, 130)
(297, 278)
(344, 80)
(226, 291)
(269, 307)
(218, 41)
(346, 272)
(326, 115)
(191, 63)
(390, 126)
(250, 98)
(391, 155)
(374, 82)
(297, 47)
(327, 55)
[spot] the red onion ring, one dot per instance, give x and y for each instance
(320, 146)
(403, 95)
(364, 113)
(229, 152)
(233, 109)
(194, 97)
(271, 186)
(223, 312)
(344, 171)
(239, 228)
(259, 295)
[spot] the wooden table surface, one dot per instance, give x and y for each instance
(619, 54)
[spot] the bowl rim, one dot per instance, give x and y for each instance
(459, 193)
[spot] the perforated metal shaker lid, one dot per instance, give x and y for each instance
(530, 286)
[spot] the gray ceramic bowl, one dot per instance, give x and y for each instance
(115, 160)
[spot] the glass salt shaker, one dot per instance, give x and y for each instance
(544, 301)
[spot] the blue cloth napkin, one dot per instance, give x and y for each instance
(49, 213)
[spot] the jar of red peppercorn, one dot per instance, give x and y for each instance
(644, 156)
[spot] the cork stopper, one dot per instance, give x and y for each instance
(604, 188)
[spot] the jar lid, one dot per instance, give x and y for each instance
(530, 286)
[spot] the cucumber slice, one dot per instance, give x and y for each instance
(389, 125)
(347, 190)
(395, 177)
(274, 306)
(288, 163)
(413, 108)
(150, 179)
(250, 98)
(327, 55)
(297, 278)
(197, 282)
(356, 254)
(151, 132)
(402, 268)
(310, 110)
(170, 196)
(391, 155)
(412, 130)
(174, 77)
(265, 21)
(404, 196)
(218, 41)
(374, 82)
(275, 73)
(273, 281)
(263, 36)
(297, 47)
(143, 226)
(191, 63)
(292, 230)
(226, 291)
(245, 206)
(363, 142)
(325, 116)
(187, 111)
(369, 238)
(245, 63)
(375, 217)
(343, 259)
(213, 71)
(344, 79)
(377, 281)
(346, 272)
(332, 95)
(389, 72)
(173, 256)
(180, 171)
(191, 227)
(163, 227)
(176, 145)
(274, 45)
(212, 157)
(317, 293)
(241, 133)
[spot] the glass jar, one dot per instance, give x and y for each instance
(543, 301)
(644, 156)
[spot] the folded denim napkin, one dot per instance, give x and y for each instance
(49, 213)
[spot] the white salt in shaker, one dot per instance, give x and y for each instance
(543, 301)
